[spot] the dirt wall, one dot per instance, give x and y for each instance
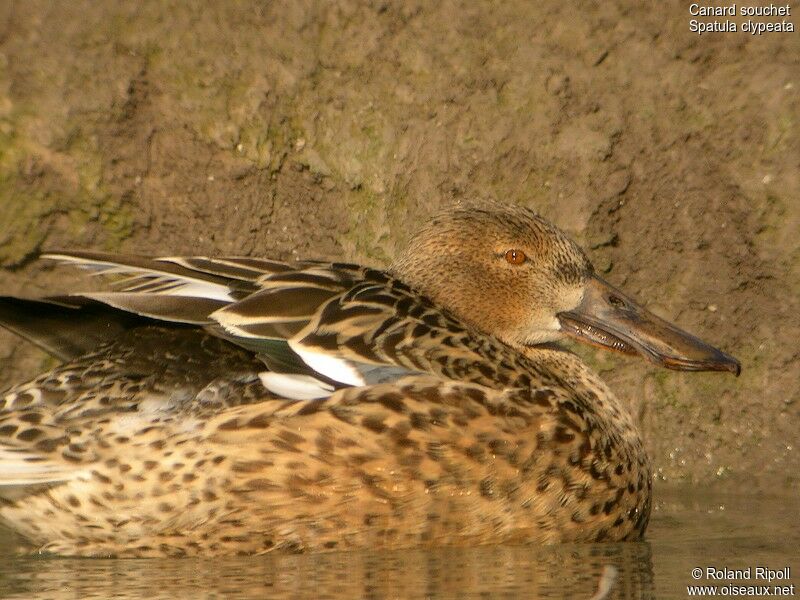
(331, 129)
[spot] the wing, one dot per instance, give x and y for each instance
(189, 289)
(225, 279)
(358, 326)
(317, 326)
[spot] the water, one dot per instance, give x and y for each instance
(689, 530)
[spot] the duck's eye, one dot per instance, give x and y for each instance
(515, 257)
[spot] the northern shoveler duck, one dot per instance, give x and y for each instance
(214, 406)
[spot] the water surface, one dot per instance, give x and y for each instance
(689, 529)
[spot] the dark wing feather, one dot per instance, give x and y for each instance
(65, 326)
(178, 309)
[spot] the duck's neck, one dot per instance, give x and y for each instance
(597, 398)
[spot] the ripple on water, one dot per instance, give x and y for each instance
(688, 530)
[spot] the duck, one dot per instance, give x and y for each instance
(212, 406)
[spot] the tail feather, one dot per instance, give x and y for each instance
(64, 326)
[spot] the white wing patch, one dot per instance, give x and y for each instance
(338, 369)
(295, 387)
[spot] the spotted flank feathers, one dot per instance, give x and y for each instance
(216, 406)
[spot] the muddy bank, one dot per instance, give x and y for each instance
(332, 129)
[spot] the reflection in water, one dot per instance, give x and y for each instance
(491, 572)
(688, 530)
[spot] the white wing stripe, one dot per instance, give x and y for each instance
(338, 369)
(295, 387)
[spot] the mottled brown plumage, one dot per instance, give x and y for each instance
(439, 414)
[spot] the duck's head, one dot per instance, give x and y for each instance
(507, 272)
